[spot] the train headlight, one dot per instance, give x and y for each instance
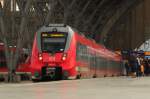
(64, 57)
(40, 57)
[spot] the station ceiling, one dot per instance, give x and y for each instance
(94, 18)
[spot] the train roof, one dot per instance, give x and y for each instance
(54, 27)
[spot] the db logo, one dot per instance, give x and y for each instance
(52, 58)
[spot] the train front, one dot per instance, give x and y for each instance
(50, 54)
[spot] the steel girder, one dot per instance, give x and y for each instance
(116, 16)
(95, 17)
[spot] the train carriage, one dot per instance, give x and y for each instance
(23, 69)
(59, 52)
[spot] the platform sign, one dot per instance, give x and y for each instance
(140, 52)
(147, 57)
(47, 34)
(147, 53)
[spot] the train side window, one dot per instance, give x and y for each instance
(81, 52)
(78, 52)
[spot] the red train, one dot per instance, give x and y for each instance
(59, 52)
(23, 68)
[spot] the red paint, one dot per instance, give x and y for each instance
(70, 62)
(22, 67)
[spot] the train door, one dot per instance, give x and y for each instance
(95, 65)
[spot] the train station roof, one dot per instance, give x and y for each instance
(95, 18)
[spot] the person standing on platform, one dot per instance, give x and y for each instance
(133, 66)
(142, 69)
(126, 63)
(138, 65)
(146, 65)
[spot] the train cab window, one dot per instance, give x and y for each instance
(53, 42)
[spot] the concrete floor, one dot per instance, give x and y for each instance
(100, 88)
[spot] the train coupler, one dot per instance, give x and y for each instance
(51, 73)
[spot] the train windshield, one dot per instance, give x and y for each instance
(53, 42)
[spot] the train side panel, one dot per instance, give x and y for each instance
(23, 65)
(96, 61)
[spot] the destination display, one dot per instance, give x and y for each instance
(49, 34)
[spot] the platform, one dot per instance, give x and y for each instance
(99, 88)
